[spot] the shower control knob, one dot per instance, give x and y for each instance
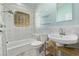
(1, 26)
(7, 42)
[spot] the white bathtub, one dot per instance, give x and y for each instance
(17, 47)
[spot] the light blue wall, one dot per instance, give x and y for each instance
(75, 16)
(45, 15)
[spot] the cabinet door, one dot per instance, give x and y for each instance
(64, 54)
(51, 48)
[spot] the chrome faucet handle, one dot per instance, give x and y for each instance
(61, 31)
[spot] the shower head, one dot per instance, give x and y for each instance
(9, 11)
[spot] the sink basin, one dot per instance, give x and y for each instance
(64, 39)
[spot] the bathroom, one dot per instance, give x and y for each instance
(27, 29)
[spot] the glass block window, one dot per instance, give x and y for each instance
(21, 19)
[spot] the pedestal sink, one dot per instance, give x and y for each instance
(64, 39)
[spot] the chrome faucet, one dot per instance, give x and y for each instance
(61, 32)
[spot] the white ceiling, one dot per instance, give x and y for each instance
(31, 5)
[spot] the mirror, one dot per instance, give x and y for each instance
(64, 12)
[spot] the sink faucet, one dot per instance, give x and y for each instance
(61, 32)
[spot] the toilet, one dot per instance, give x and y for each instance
(38, 42)
(36, 45)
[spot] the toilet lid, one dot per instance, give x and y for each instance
(36, 43)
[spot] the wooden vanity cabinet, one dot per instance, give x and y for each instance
(53, 50)
(69, 51)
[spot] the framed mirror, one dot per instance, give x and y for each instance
(64, 12)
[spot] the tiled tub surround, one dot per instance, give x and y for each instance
(17, 37)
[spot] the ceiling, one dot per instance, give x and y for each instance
(32, 5)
